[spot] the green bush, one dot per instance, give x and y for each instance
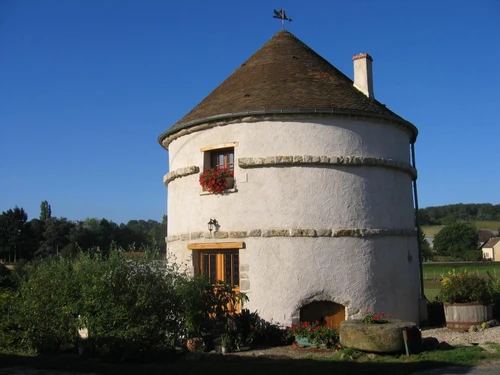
(206, 307)
(47, 307)
(496, 297)
(129, 307)
(269, 333)
(244, 324)
(11, 335)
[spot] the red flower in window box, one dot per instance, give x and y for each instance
(216, 181)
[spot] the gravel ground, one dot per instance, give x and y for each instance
(441, 334)
(288, 352)
(464, 338)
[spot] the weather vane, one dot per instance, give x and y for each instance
(282, 16)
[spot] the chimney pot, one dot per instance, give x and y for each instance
(363, 77)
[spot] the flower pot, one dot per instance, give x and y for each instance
(460, 316)
(303, 341)
(229, 182)
(223, 350)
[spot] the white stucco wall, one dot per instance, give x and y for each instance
(488, 253)
(283, 273)
(286, 273)
(492, 252)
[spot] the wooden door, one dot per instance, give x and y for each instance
(223, 266)
(329, 312)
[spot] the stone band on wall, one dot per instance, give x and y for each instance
(181, 172)
(302, 114)
(357, 232)
(326, 160)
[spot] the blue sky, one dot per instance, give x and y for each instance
(86, 87)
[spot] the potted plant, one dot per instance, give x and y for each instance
(217, 180)
(195, 311)
(205, 307)
(313, 334)
(372, 318)
(225, 342)
(467, 299)
(244, 325)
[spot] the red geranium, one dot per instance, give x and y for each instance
(317, 333)
(214, 180)
(372, 318)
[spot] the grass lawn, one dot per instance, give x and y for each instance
(435, 270)
(345, 362)
(431, 291)
(432, 230)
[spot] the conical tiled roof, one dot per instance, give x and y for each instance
(284, 75)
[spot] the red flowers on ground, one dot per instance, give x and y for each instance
(316, 333)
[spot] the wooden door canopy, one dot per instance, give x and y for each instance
(216, 246)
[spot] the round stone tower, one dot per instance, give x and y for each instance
(320, 220)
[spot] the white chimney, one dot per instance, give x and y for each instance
(363, 78)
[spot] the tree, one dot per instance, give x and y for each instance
(425, 248)
(13, 233)
(45, 211)
(456, 239)
(56, 235)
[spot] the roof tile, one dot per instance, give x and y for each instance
(284, 74)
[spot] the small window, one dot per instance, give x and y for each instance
(222, 158)
(219, 156)
(220, 266)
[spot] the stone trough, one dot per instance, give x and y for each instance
(380, 338)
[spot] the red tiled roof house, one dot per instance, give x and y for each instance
(491, 250)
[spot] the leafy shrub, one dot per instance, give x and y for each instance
(495, 283)
(464, 287)
(128, 306)
(243, 326)
(48, 306)
(271, 334)
(206, 307)
(11, 336)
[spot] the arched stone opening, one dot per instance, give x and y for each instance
(323, 311)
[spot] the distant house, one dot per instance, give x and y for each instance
(491, 250)
(484, 236)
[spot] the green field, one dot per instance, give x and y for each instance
(431, 231)
(432, 273)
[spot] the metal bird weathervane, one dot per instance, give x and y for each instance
(282, 16)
